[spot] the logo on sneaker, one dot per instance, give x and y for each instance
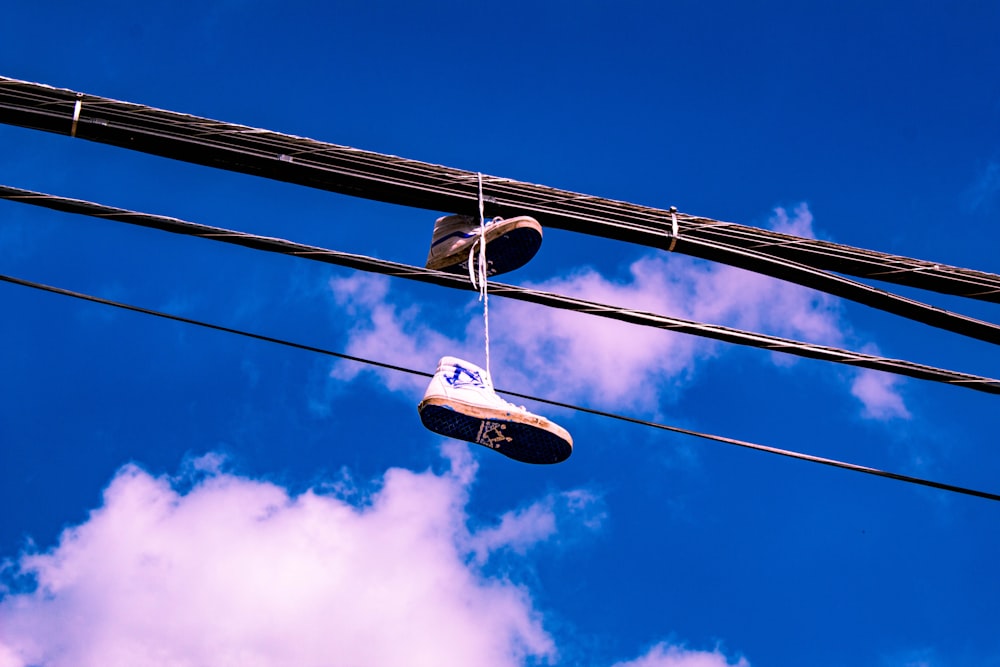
(491, 434)
(463, 377)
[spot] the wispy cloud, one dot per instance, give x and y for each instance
(603, 361)
(878, 392)
(879, 395)
(386, 332)
(984, 191)
(667, 655)
(576, 357)
(240, 571)
(521, 529)
(924, 657)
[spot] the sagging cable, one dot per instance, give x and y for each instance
(569, 406)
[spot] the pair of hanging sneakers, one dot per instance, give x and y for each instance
(460, 401)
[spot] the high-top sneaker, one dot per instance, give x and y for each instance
(510, 243)
(460, 403)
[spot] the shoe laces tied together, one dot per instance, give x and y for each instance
(483, 294)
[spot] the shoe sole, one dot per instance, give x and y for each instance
(508, 247)
(531, 441)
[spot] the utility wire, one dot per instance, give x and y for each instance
(823, 281)
(371, 175)
(363, 263)
(600, 413)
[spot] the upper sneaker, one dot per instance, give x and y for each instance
(460, 403)
(510, 243)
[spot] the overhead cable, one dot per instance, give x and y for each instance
(600, 413)
(407, 182)
(852, 290)
(370, 264)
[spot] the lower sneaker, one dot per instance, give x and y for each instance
(460, 403)
(510, 243)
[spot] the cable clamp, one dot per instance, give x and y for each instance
(673, 228)
(76, 114)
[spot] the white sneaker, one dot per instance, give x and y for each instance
(460, 403)
(510, 243)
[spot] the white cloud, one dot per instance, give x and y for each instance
(521, 529)
(237, 571)
(878, 392)
(879, 396)
(385, 332)
(240, 571)
(665, 655)
(738, 298)
(8, 658)
(576, 357)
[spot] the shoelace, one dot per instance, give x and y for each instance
(483, 293)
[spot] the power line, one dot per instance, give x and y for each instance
(600, 413)
(412, 183)
(852, 290)
(370, 264)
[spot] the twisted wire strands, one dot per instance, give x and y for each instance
(412, 183)
(371, 264)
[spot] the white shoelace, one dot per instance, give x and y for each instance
(483, 293)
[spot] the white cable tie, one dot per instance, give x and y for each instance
(76, 116)
(673, 228)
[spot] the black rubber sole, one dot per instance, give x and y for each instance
(521, 442)
(505, 253)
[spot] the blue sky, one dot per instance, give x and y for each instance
(173, 494)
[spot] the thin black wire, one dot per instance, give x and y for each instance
(370, 264)
(600, 413)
